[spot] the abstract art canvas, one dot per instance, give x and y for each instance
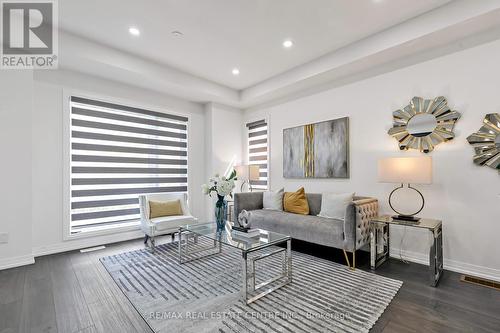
(319, 150)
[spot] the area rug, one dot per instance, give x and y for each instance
(204, 295)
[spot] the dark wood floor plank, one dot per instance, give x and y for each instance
(72, 314)
(93, 288)
(139, 324)
(12, 284)
(395, 327)
(11, 298)
(90, 329)
(38, 310)
(451, 291)
(454, 316)
(10, 315)
(105, 309)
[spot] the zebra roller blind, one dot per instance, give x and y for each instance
(257, 151)
(117, 153)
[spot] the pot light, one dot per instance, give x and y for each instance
(235, 71)
(134, 31)
(287, 44)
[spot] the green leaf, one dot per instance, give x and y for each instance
(233, 175)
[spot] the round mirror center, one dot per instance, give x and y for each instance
(421, 124)
(497, 141)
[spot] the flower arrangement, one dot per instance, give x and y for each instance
(223, 187)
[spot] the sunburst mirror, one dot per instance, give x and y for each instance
(423, 124)
(486, 142)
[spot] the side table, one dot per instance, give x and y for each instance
(379, 243)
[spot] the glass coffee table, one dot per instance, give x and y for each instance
(250, 291)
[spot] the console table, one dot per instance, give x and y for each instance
(379, 243)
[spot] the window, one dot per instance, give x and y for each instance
(257, 152)
(117, 153)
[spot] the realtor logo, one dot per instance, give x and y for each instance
(29, 35)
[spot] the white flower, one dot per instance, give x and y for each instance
(223, 186)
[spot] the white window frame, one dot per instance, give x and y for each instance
(66, 159)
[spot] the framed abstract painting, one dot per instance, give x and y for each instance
(319, 150)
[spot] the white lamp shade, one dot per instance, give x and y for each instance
(241, 171)
(405, 170)
(253, 172)
(247, 172)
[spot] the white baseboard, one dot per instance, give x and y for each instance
(83, 243)
(451, 265)
(17, 261)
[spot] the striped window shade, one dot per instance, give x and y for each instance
(117, 153)
(258, 152)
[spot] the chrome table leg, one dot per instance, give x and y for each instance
(436, 257)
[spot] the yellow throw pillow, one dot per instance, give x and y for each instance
(296, 202)
(164, 208)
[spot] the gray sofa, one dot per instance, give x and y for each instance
(349, 235)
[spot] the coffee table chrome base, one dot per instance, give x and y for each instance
(250, 291)
(185, 237)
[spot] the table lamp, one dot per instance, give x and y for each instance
(247, 173)
(405, 170)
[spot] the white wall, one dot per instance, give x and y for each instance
(466, 197)
(16, 91)
(223, 142)
(47, 147)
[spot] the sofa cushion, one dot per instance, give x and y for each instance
(273, 200)
(296, 202)
(164, 208)
(309, 228)
(314, 202)
(169, 222)
(334, 205)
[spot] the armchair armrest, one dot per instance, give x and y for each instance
(357, 222)
(247, 201)
(146, 226)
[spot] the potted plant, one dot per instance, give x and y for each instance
(223, 187)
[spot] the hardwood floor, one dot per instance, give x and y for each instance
(72, 292)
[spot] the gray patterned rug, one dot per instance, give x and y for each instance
(203, 295)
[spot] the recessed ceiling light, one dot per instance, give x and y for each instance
(287, 44)
(134, 31)
(235, 71)
(177, 33)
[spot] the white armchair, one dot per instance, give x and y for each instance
(166, 224)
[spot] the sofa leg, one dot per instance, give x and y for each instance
(353, 267)
(146, 239)
(173, 236)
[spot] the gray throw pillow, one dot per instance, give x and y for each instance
(333, 206)
(273, 200)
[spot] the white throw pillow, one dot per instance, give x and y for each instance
(333, 206)
(273, 200)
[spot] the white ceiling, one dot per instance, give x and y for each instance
(222, 34)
